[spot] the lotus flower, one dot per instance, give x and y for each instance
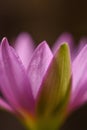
(41, 87)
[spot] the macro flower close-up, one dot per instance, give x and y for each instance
(42, 86)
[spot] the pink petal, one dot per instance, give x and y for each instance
(14, 81)
(82, 43)
(79, 71)
(5, 106)
(64, 38)
(38, 66)
(24, 47)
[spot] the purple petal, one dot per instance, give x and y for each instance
(82, 43)
(79, 47)
(79, 71)
(24, 47)
(4, 105)
(64, 38)
(38, 66)
(14, 81)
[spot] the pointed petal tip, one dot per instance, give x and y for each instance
(63, 46)
(43, 45)
(4, 39)
(4, 42)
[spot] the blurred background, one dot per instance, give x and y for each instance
(44, 20)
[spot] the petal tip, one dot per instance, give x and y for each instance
(4, 42)
(64, 44)
(44, 44)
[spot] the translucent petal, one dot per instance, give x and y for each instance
(79, 79)
(39, 63)
(24, 46)
(14, 82)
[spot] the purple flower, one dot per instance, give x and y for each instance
(39, 86)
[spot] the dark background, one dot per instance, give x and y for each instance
(76, 121)
(44, 20)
